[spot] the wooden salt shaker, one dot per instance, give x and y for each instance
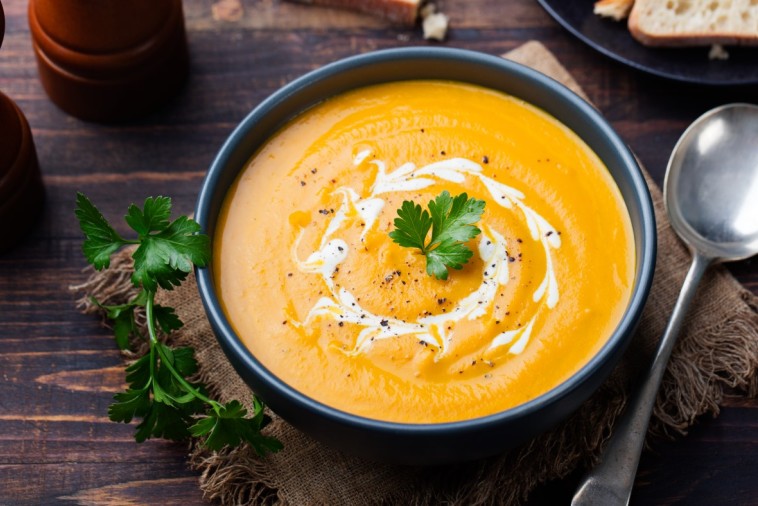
(109, 60)
(21, 190)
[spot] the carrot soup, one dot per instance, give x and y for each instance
(314, 286)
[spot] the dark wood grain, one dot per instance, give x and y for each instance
(59, 369)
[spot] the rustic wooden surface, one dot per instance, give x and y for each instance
(59, 368)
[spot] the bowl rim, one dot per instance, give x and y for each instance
(621, 336)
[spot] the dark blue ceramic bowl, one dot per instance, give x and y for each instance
(443, 442)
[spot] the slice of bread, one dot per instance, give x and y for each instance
(616, 9)
(403, 12)
(694, 22)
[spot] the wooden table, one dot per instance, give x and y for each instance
(59, 368)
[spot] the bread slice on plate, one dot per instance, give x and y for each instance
(403, 12)
(616, 9)
(694, 22)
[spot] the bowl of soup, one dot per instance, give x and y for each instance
(343, 331)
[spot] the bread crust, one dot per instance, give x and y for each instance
(693, 38)
(403, 12)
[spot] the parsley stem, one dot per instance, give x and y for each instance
(154, 344)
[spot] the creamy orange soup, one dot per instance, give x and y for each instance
(315, 287)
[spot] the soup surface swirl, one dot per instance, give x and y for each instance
(311, 282)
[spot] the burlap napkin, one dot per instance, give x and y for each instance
(718, 350)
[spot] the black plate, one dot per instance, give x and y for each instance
(682, 64)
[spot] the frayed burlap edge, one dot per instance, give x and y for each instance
(687, 393)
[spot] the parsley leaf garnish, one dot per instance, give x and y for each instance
(159, 391)
(229, 426)
(451, 220)
(101, 241)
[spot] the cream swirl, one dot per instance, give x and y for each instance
(433, 330)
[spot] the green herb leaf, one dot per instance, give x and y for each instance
(165, 258)
(229, 426)
(164, 421)
(159, 392)
(124, 327)
(101, 240)
(124, 324)
(454, 218)
(451, 220)
(130, 404)
(154, 216)
(447, 254)
(167, 318)
(411, 226)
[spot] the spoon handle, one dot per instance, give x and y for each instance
(610, 482)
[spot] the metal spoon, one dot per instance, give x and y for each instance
(711, 196)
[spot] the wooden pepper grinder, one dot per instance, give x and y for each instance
(109, 60)
(21, 190)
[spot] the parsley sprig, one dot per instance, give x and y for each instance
(451, 220)
(159, 392)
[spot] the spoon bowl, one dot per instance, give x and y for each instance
(711, 186)
(711, 196)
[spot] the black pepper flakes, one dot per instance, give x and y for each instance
(485, 159)
(302, 183)
(384, 323)
(341, 324)
(314, 170)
